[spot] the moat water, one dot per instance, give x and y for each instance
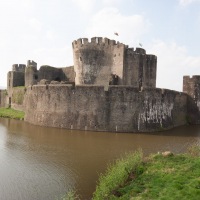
(44, 163)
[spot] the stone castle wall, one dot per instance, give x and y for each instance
(15, 78)
(121, 109)
(3, 98)
(18, 67)
(17, 98)
(111, 87)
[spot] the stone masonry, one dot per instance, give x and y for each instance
(101, 61)
(111, 87)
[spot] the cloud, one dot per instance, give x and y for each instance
(111, 2)
(110, 20)
(35, 24)
(187, 2)
(174, 62)
(57, 57)
(85, 5)
(50, 35)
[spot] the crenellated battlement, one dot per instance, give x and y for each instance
(191, 85)
(18, 67)
(140, 50)
(81, 42)
(135, 51)
(194, 78)
(96, 41)
(151, 57)
(31, 63)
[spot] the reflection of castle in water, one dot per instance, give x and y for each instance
(110, 88)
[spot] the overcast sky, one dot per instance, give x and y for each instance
(43, 30)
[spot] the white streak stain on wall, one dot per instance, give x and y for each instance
(155, 113)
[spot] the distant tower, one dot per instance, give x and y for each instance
(191, 86)
(31, 73)
(16, 76)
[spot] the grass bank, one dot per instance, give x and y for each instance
(11, 113)
(156, 177)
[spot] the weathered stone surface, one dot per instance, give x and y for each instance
(96, 61)
(43, 82)
(191, 86)
(15, 78)
(121, 108)
(3, 98)
(18, 98)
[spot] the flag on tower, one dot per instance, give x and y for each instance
(116, 33)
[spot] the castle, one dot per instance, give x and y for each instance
(111, 87)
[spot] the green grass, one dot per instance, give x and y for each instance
(116, 175)
(11, 113)
(156, 177)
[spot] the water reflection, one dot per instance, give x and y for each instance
(43, 163)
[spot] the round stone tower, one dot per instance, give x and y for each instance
(93, 61)
(31, 73)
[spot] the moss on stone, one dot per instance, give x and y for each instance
(18, 95)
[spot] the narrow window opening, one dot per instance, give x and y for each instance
(36, 77)
(57, 79)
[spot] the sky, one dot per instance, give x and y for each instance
(43, 31)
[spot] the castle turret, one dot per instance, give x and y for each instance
(107, 62)
(16, 76)
(18, 67)
(149, 71)
(191, 86)
(31, 73)
(93, 60)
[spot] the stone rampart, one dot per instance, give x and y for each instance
(120, 108)
(3, 98)
(17, 98)
(18, 67)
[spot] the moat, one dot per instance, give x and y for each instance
(43, 163)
